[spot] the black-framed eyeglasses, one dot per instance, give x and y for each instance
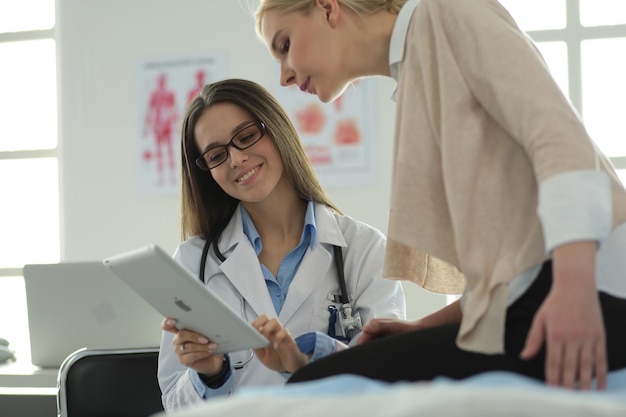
(242, 139)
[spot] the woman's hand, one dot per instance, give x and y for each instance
(377, 328)
(384, 327)
(570, 323)
(194, 350)
(282, 354)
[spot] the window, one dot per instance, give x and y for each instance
(582, 42)
(29, 217)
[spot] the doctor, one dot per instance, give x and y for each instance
(263, 235)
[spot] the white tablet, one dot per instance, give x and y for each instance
(174, 292)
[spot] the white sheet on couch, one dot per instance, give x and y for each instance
(495, 394)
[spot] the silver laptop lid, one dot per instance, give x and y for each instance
(82, 304)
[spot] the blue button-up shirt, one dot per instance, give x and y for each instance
(278, 286)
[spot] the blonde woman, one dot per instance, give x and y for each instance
(494, 174)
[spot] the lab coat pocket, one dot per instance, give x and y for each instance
(321, 317)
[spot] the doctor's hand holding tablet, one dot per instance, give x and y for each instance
(197, 352)
(194, 350)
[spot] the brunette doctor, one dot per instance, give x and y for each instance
(262, 234)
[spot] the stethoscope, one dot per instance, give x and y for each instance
(349, 320)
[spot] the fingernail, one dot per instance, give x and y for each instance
(203, 339)
(212, 346)
(171, 322)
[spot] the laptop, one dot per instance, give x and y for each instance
(72, 305)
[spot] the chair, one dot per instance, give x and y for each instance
(109, 383)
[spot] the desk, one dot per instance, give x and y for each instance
(22, 375)
(27, 390)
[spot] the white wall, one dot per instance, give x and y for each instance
(100, 42)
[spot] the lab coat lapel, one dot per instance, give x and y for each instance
(242, 267)
(316, 264)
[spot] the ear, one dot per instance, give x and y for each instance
(331, 10)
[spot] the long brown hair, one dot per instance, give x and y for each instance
(205, 208)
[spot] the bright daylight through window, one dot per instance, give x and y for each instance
(29, 218)
(581, 41)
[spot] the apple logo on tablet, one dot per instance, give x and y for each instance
(181, 304)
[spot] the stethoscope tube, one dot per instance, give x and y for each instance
(343, 291)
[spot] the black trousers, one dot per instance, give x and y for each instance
(425, 354)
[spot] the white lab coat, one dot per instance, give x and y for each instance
(240, 283)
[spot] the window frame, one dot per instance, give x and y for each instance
(573, 34)
(10, 37)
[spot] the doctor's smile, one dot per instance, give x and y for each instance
(249, 176)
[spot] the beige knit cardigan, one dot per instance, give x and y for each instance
(479, 124)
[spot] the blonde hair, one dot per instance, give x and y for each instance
(205, 208)
(359, 7)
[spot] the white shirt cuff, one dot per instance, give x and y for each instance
(575, 206)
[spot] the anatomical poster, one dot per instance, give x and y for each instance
(337, 136)
(164, 88)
